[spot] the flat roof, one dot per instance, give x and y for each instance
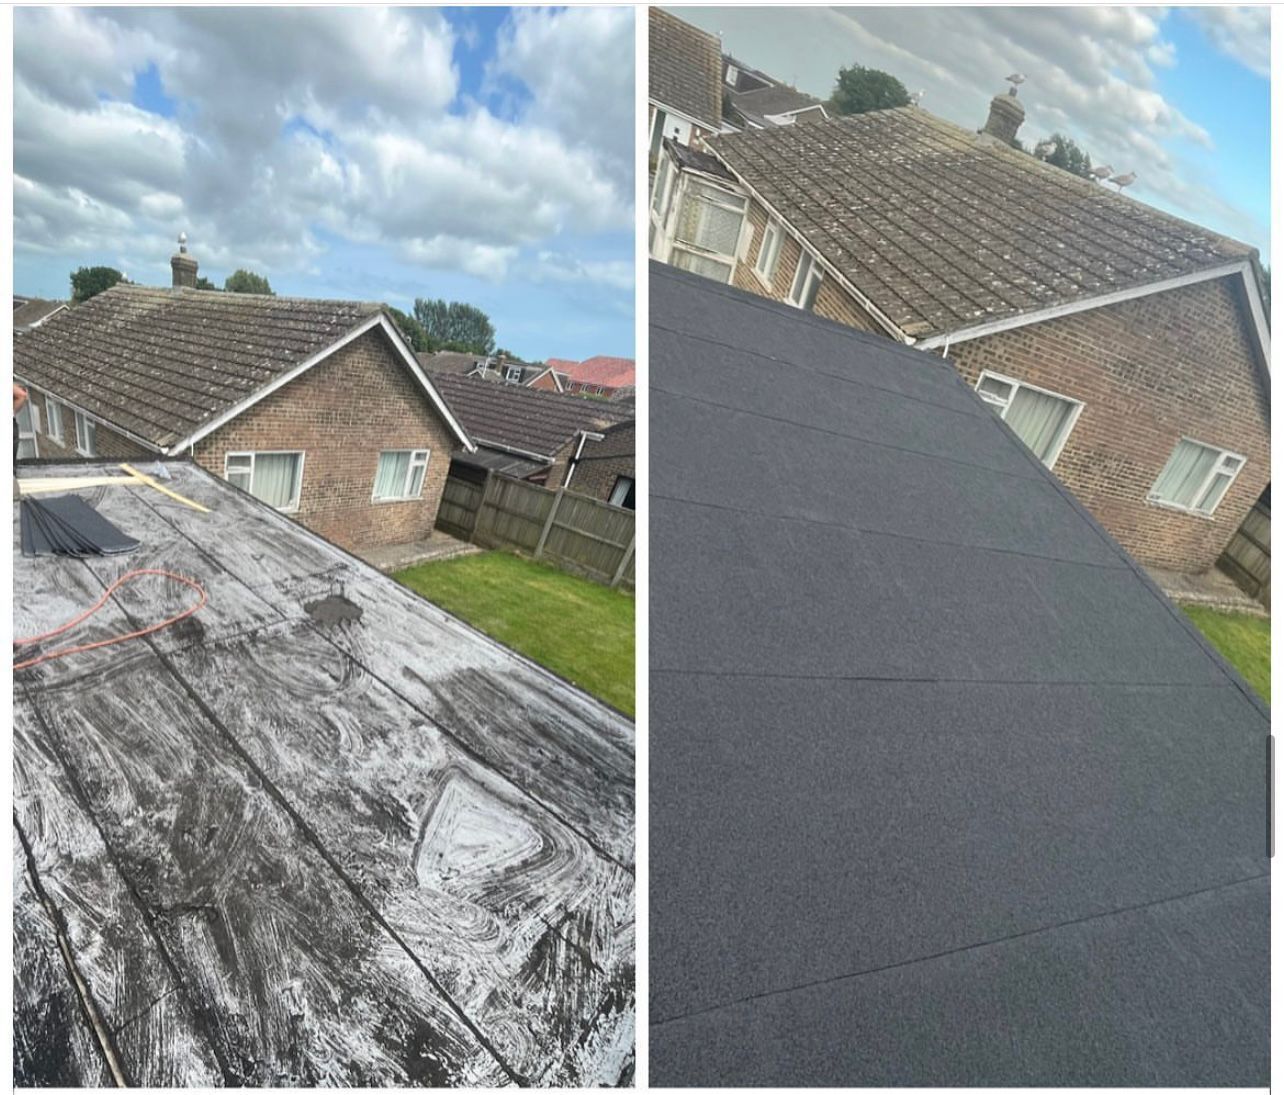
(943, 790)
(321, 832)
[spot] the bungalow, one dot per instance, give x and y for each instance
(1129, 349)
(685, 81)
(317, 407)
(524, 432)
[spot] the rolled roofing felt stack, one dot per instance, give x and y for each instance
(68, 525)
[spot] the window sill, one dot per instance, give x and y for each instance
(1171, 508)
(764, 281)
(389, 501)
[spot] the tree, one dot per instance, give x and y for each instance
(243, 281)
(453, 323)
(205, 283)
(89, 281)
(412, 329)
(1060, 151)
(859, 90)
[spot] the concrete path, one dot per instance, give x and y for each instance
(1212, 589)
(438, 546)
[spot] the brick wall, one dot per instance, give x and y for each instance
(1149, 371)
(596, 477)
(341, 414)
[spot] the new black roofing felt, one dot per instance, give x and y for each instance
(319, 832)
(531, 421)
(943, 790)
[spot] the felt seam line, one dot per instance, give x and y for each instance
(875, 679)
(849, 436)
(879, 532)
(958, 950)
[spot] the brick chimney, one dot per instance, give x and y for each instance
(183, 265)
(1006, 116)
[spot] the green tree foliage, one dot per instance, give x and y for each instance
(859, 90)
(1060, 151)
(89, 281)
(205, 283)
(455, 325)
(243, 281)
(412, 329)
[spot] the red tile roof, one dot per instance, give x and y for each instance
(608, 372)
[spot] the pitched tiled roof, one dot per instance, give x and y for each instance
(617, 441)
(941, 229)
(685, 68)
(447, 361)
(33, 310)
(160, 363)
(757, 105)
(610, 372)
(507, 415)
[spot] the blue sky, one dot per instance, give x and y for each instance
(477, 154)
(1179, 96)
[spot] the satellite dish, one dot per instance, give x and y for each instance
(1124, 180)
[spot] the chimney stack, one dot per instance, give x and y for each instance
(183, 265)
(1006, 116)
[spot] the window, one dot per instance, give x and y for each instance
(28, 419)
(733, 74)
(657, 131)
(86, 436)
(1196, 477)
(512, 374)
(707, 234)
(622, 492)
(806, 283)
(768, 252)
(53, 420)
(1042, 419)
(272, 477)
(400, 474)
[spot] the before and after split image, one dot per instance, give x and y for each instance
(622, 546)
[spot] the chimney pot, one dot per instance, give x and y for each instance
(1006, 116)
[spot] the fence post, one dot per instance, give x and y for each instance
(481, 503)
(548, 522)
(624, 562)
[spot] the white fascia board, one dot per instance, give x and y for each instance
(820, 259)
(376, 320)
(151, 446)
(515, 451)
(675, 113)
(1025, 319)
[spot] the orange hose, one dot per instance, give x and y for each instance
(62, 652)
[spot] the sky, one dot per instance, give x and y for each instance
(1179, 96)
(483, 155)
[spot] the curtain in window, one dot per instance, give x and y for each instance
(698, 264)
(1038, 420)
(1184, 473)
(707, 223)
(274, 477)
(390, 479)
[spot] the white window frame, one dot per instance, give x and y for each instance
(86, 425)
(33, 428)
(628, 483)
(54, 424)
(806, 275)
(512, 374)
(1217, 469)
(415, 454)
(732, 75)
(773, 238)
(295, 495)
(729, 203)
(1002, 406)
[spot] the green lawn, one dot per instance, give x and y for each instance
(1244, 641)
(580, 630)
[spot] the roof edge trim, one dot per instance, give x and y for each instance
(412, 362)
(676, 113)
(864, 301)
(1025, 319)
(151, 446)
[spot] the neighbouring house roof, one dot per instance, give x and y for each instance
(166, 366)
(321, 802)
(29, 312)
(685, 69)
(608, 372)
(504, 463)
(525, 420)
(692, 159)
(448, 361)
(762, 104)
(616, 442)
(943, 790)
(941, 230)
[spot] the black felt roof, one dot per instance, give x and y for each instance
(160, 363)
(320, 833)
(525, 419)
(942, 789)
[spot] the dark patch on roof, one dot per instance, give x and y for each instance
(505, 463)
(526, 419)
(685, 68)
(403, 851)
(943, 790)
(160, 363)
(943, 231)
(693, 159)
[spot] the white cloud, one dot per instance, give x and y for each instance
(1241, 33)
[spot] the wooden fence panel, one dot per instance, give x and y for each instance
(1247, 558)
(574, 532)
